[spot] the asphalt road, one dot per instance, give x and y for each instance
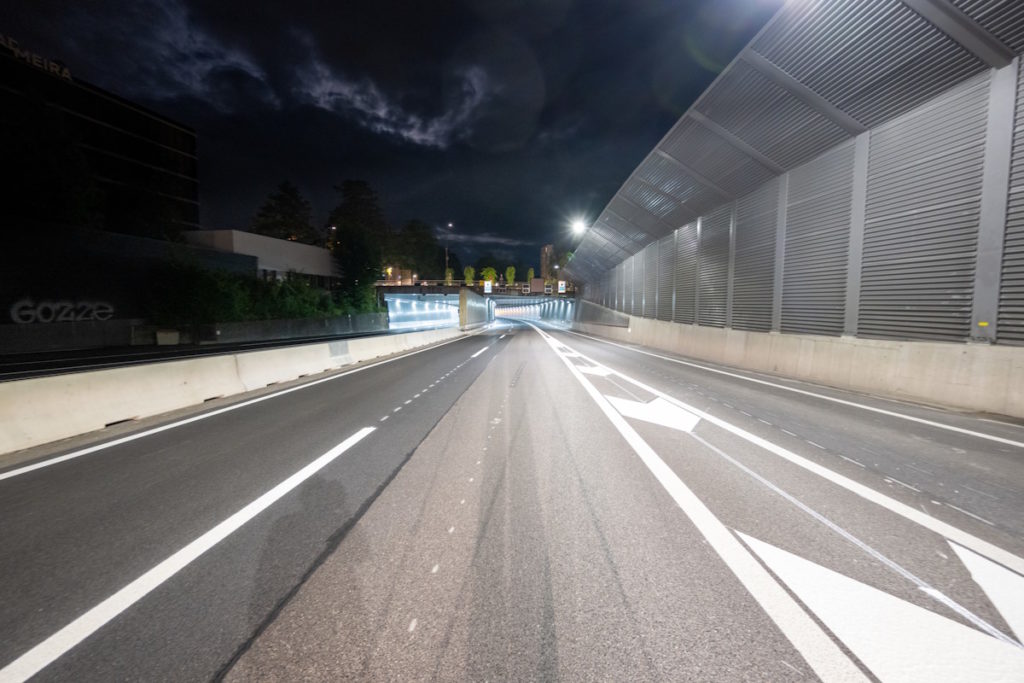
(530, 504)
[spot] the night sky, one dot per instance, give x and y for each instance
(504, 117)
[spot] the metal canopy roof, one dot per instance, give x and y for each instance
(820, 72)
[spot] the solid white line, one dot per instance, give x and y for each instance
(49, 650)
(817, 648)
(479, 352)
(930, 423)
(982, 547)
(156, 430)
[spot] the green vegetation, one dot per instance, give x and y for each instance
(185, 294)
(489, 273)
(529, 274)
(469, 272)
(510, 274)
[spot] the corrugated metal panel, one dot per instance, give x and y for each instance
(651, 199)
(817, 240)
(1010, 327)
(687, 243)
(650, 280)
(666, 276)
(714, 267)
(754, 259)
(718, 161)
(874, 59)
(921, 224)
(751, 107)
(1002, 18)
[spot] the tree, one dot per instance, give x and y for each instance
(489, 273)
(360, 234)
(286, 215)
(449, 275)
(529, 274)
(510, 274)
(470, 273)
(415, 248)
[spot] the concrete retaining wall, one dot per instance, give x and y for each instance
(973, 377)
(37, 411)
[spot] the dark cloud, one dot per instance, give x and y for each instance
(506, 117)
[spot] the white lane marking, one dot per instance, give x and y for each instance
(451, 529)
(471, 479)
(42, 655)
(952, 533)
(896, 640)
(435, 568)
(396, 409)
(761, 420)
(417, 395)
(817, 648)
(920, 420)
(412, 626)
(1004, 588)
(480, 351)
(969, 514)
(501, 337)
(590, 370)
(408, 401)
(156, 430)
(659, 411)
(384, 418)
(786, 431)
(462, 502)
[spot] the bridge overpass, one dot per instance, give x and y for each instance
(666, 479)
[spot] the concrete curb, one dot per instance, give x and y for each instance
(41, 410)
(971, 377)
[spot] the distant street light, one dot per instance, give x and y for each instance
(578, 226)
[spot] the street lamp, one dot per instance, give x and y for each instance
(578, 226)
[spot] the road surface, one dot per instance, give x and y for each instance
(525, 503)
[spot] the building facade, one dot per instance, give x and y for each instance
(134, 169)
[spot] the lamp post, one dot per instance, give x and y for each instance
(446, 236)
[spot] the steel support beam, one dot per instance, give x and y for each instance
(858, 210)
(731, 272)
(803, 93)
(995, 187)
(735, 142)
(949, 19)
(693, 174)
(780, 252)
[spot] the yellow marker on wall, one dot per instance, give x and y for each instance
(982, 323)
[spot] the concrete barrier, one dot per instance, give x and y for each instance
(972, 377)
(45, 409)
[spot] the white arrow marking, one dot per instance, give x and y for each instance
(659, 411)
(896, 640)
(1003, 587)
(599, 370)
